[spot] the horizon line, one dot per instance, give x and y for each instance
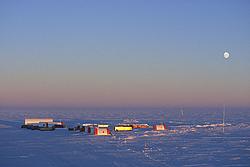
(119, 107)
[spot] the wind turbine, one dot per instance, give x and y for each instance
(226, 57)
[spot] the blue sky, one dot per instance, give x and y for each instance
(124, 53)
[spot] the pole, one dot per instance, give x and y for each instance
(223, 121)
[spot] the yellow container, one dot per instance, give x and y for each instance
(123, 128)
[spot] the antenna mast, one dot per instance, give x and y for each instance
(224, 112)
(223, 121)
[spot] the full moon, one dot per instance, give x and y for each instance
(226, 55)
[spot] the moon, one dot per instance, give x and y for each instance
(226, 55)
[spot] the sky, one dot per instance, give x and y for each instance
(126, 53)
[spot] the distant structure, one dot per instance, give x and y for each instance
(123, 127)
(101, 131)
(160, 127)
(182, 112)
(140, 126)
(43, 124)
(30, 121)
(95, 129)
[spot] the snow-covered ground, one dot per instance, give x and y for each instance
(183, 145)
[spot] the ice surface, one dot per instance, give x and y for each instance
(182, 145)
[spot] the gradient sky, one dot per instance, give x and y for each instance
(147, 53)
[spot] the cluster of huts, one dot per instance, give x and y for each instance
(48, 124)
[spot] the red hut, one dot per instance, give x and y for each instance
(100, 131)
